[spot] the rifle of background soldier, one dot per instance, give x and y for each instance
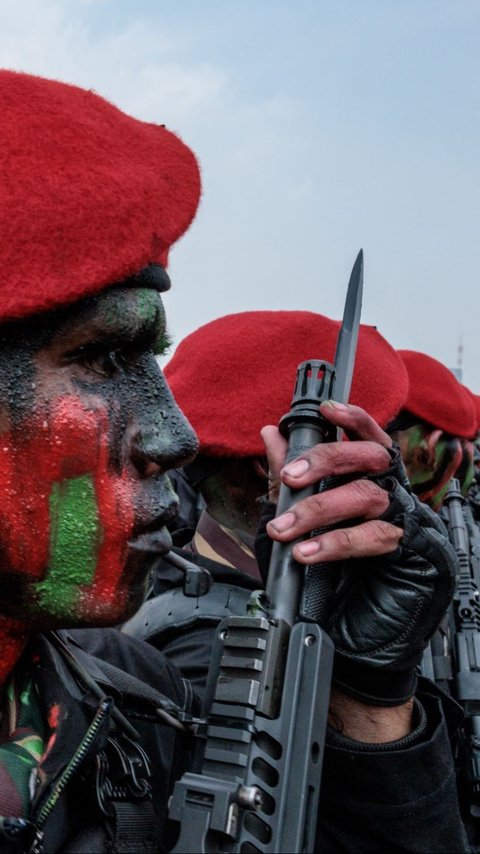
(465, 629)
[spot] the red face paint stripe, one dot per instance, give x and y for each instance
(64, 443)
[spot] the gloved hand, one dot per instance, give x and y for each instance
(396, 566)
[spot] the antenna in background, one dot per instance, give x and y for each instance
(458, 370)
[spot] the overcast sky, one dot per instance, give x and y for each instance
(321, 126)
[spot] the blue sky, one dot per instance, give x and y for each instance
(320, 127)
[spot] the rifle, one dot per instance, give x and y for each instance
(256, 775)
(465, 631)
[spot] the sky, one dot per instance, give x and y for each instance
(321, 126)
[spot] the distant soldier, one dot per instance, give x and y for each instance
(434, 428)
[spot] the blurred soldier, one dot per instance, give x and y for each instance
(231, 377)
(434, 429)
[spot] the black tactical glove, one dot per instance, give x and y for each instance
(387, 608)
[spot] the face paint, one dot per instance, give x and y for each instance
(83, 448)
(69, 533)
(431, 458)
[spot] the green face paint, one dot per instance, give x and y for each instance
(146, 305)
(431, 459)
(75, 539)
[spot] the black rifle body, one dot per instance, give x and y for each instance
(465, 632)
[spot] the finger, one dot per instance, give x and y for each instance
(357, 499)
(336, 458)
(276, 451)
(369, 539)
(357, 423)
(275, 448)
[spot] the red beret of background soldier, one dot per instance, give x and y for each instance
(93, 721)
(245, 358)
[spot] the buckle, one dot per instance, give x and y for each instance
(21, 834)
(123, 773)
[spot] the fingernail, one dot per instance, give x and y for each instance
(307, 549)
(283, 522)
(335, 405)
(296, 469)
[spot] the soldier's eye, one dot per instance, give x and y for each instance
(105, 361)
(109, 358)
(105, 364)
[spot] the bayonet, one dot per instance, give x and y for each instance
(344, 360)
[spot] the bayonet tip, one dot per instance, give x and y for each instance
(357, 269)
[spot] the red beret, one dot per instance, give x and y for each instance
(437, 397)
(88, 195)
(236, 374)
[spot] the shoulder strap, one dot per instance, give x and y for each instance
(172, 611)
(124, 796)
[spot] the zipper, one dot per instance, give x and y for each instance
(102, 713)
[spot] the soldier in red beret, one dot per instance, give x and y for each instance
(231, 377)
(434, 428)
(257, 350)
(91, 200)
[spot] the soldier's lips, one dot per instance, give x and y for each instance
(153, 542)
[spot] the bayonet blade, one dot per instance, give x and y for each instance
(348, 336)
